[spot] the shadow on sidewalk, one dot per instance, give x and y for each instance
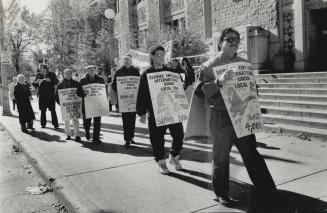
(43, 136)
(288, 202)
(116, 148)
(139, 130)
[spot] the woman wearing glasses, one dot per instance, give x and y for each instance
(223, 133)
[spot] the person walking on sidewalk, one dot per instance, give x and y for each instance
(189, 78)
(22, 95)
(90, 78)
(128, 117)
(66, 83)
(144, 106)
(46, 81)
(222, 130)
(11, 92)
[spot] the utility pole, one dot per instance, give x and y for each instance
(4, 68)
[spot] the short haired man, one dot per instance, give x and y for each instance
(90, 78)
(128, 117)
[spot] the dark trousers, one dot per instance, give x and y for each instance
(224, 137)
(54, 118)
(157, 138)
(13, 104)
(129, 124)
(96, 126)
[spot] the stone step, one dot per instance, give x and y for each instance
(296, 130)
(314, 91)
(294, 75)
(295, 97)
(297, 121)
(295, 104)
(292, 85)
(293, 80)
(297, 112)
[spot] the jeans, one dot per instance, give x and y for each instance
(54, 118)
(75, 126)
(157, 139)
(224, 137)
(129, 125)
(96, 126)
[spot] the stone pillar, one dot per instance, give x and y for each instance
(125, 22)
(155, 15)
(299, 30)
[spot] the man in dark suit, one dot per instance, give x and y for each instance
(128, 117)
(90, 78)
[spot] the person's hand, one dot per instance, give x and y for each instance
(226, 76)
(143, 119)
(47, 79)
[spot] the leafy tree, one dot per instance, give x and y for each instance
(21, 37)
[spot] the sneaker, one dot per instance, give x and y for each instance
(68, 137)
(175, 162)
(227, 201)
(78, 139)
(162, 168)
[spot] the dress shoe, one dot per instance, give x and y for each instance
(68, 138)
(87, 135)
(78, 139)
(132, 141)
(97, 141)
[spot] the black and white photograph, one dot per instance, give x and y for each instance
(163, 106)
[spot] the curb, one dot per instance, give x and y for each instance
(64, 190)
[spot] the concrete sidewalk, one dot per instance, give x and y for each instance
(111, 178)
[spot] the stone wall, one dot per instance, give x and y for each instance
(195, 16)
(241, 13)
(231, 13)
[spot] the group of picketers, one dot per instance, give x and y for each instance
(207, 88)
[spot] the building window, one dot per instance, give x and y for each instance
(182, 23)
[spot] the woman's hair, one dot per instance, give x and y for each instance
(185, 60)
(44, 66)
(223, 35)
(154, 50)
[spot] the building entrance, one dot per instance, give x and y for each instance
(320, 51)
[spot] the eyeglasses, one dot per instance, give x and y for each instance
(159, 54)
(232, 39)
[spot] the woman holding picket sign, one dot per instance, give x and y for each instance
(144, 106)
(222, 130)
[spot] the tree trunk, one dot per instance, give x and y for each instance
(4, 70)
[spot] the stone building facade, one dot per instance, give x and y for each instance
(280, 35)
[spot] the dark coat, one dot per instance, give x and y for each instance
(22, 95)
(86, 81)
(46, 90)
(189, 76)
(65, 84)
(124, 71)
